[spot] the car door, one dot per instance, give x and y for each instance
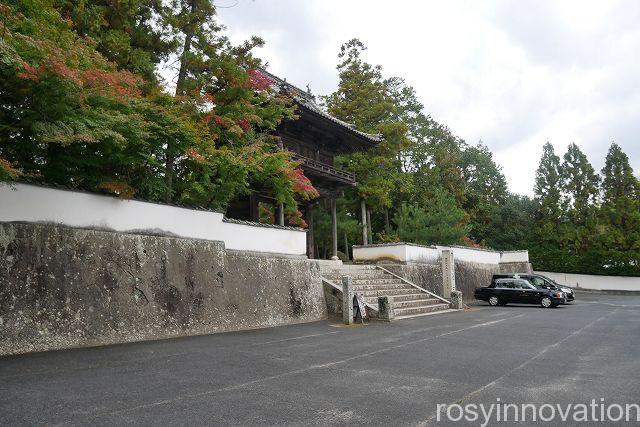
(504, 290)
(527, 293)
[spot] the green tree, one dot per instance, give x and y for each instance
(579, 184)
(619, 232)
(69, 116)
(128, 33)
(486, 190)
(511, 224)
(546, 251)
(363, 99)
(441, 223)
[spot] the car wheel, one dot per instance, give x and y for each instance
(546, 302)
(493, 301)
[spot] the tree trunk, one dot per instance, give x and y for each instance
(346, 246)
(363, 215)
(370, 231)
(386, 220)
(189, 31)
(169, 171)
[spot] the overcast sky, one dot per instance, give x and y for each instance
(513, 74)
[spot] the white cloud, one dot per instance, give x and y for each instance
(514, 74)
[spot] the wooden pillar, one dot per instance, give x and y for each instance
(310, 241)
(334, 230)
(280, 214)
(363, 212)
(254, 211)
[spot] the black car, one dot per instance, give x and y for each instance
(539, 281)
(519, 291)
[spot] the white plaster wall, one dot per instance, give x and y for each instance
(514, 256)
(472, 255)
(602, 283)
(422, 254)
(30, 203)
(382, 252)
(401, 252)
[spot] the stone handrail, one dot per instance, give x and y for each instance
(412, 284)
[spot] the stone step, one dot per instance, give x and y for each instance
(425, 314)
(349, 267)
(389, 292)
(416, 303)
(402, 298)
(374, 286)
(359, 275)
(409, 297)
(410, 303)
(378, 281)
(401, 312)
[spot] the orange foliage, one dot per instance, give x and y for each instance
(301, 184)
(104, 82)
(122, 189)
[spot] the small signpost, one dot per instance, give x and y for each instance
(359, 308)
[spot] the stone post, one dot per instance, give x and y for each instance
(385, 308)
(448, 273)
(347, 300)
(456, 300)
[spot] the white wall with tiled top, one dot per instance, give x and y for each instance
(31, 203)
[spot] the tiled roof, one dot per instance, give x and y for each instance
(260, 224)
(308, 101)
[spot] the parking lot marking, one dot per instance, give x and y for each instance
(295, 338)
(520, 366)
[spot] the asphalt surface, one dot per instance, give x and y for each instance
(326, 374)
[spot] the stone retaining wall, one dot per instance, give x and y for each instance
(64, 287)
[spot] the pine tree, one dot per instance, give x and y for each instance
(127, 33)
(363, 99)
(547, 186)
(486, 189)
(546, 252)
(619, 236)
(440, 223)
(580, 185)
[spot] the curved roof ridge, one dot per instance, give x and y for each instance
(308, 101)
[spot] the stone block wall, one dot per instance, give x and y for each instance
(427, 276)
(472, 275)
(469, 275)
(64, 287)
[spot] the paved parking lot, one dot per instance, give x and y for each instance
(323, 373)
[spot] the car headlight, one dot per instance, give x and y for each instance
(567, 290)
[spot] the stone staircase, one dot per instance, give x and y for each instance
(372, 282)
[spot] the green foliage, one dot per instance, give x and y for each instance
(619, 216)
(442, 222)
(128, 33)
(349, 228)
(580, 184)
(575, 231)
(510, 224)
(71, 116)
(364, 99)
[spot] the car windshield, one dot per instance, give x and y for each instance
(523, 284)
(553, 282)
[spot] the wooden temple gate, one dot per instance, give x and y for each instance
(317, 138)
